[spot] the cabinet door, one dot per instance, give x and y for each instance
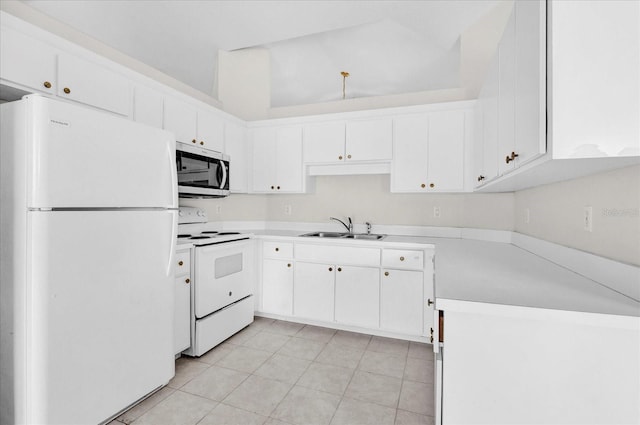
(182, 314)
(324, 142)
(27, 61)
(210, 131)
(506, 96)
(358, 296)
(410, 150)
(235, 145)
(446, 150)
(478, 146)
(369, 140)
(530, 95)
(263, 154)
(401, 301)
(489, 101)
(180, 119)
(313, 294)
(277, 287)
(93, 84)
(289, 160)
(148, 106)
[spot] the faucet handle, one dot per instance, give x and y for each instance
(368, 227)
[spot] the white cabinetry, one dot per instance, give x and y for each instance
(346, 141)
(27, 62)
(314, 291)
(92, 84)
(401, 307)
(148, 106)
(182, 304)
(192, 125)
(235, 145)
(429, 152)
(486, 152)
(358, 296)
(277, 278)
(277, 160)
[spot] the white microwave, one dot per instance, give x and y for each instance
(202, 173)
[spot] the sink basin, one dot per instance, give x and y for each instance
(325, 234)
(363, 236)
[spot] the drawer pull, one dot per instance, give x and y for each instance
(431, 185)
(47, 84)
(67, 90)
(180, 263)
(423, 185)
(187, 281)
(386, 273)
(401, 258)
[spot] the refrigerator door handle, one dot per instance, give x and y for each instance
(174, 241)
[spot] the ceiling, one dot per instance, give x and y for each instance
(388, 47)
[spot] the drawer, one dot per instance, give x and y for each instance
(274, 249)
(343, 255)
(183, 263)
(403, 259)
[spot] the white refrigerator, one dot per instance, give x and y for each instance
(88, 230)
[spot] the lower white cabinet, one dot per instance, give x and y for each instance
(182, 305)
(402, 301)
(314, 291)
(277, 286)
(358, 296)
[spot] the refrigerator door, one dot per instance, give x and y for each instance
(99, 331)
(82, 158)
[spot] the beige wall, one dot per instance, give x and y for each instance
(556, 213)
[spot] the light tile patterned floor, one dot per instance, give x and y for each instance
(276, 372)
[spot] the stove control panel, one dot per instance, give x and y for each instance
(192, 215)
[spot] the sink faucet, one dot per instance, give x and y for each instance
(349, 226)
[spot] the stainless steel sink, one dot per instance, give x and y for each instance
(363, 236)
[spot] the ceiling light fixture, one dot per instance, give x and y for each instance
(344, 74)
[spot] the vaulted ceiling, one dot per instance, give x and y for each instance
(388, 47)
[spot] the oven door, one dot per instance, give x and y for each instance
(223, 275)
(202, 174)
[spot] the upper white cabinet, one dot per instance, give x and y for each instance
(27, 61)
(486, 152)
(235, 145)
(193, 125)
(277, 160)
(428, 152)
(148, 106)
(594, 77)
(347, 141)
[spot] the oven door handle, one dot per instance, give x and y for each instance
(223, 246)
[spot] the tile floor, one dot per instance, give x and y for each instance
(279, 373)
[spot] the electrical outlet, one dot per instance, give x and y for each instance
(436, 212)
(527, 215)
(218, 209)
(287, 210)
(587, 219)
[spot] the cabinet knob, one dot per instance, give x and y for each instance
(480, 178)
(288, 264)
(230, 293)
(194, 141)
(401, 258)
(67, 90)
(429, 302)
(187, 281)
(431, 331)
(513, 156)
(431, 185)
(277, 249)
(339, 269)
(201, 142)
(386, 273)
(278, 187)
(431, 339)
(348, 156)
(273, 187)
(180, 263)
(330, 269)
(47, 84)
(340, 157)
(423, 185)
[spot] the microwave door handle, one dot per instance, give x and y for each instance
(223, 183)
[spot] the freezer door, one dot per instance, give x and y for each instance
(82, 158)
(100, 312)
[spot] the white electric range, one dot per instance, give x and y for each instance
(222, 280)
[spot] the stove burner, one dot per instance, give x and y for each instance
(184, 236)
(209, 232)
(200, 237)
(228, 233)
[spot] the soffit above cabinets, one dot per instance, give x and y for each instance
(389, 47)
